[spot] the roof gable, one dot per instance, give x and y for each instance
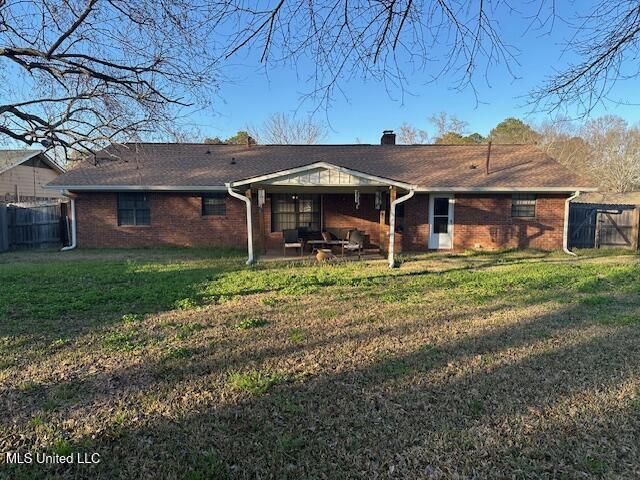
(321, 174)
(12, 158)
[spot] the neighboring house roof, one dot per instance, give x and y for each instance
(628, 198)
(13, 158)
(198, 166)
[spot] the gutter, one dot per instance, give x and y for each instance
(247, 201)
(568, 189)
(392, 225)
(73, 223)
(565, 232)
(222, 188)
(139, 188)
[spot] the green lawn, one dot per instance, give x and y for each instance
(187, 364)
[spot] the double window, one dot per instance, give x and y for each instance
(133, 209)
(523, 205)
(214, 204)
(301, 211)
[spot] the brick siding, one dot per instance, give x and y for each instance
(415, 232)
(484, 221)
(481, 221)
(176, 219)
(340, 212)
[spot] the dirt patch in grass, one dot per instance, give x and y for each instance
(513, 365)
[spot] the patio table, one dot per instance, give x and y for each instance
(316, 244)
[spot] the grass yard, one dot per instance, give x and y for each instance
(186, 364)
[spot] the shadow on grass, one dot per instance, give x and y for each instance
(472, 408)
(45, 304)
(89, 289)
(468, 406)
(74, 298)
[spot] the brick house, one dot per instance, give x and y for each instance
(403, 197)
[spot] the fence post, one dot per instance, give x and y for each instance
(4, 229)
(635, 229)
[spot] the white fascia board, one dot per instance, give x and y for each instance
(330, 166)
(223, 188)
(138, 188)
(507, 189)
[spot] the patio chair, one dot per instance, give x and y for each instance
(355, 243)
(292, 240)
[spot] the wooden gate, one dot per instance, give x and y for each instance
(617, 230)
(26, 226)
(596, 225)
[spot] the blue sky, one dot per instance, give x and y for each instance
(249, 93)
(369, 108)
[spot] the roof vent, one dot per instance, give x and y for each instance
(208, 152)
(388, 138)
(233, 160)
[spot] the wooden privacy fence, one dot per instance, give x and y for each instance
(24, 226)
(603, 225)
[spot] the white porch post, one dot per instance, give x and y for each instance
(392, 225)
(247, 202)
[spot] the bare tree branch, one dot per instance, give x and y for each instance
(85, 73)
(282, 129)
(607, 42)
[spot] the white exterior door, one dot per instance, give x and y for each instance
(441, 221)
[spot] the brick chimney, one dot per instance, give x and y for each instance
(388, 138)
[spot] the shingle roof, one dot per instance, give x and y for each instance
(13, 158)
(607, 198)
(438, 166)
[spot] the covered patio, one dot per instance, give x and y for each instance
(323, 206)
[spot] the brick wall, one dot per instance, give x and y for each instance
(415, 235)
(340, 212)
(274, 240)
(481, 221)
(176, 219)
(484, 221)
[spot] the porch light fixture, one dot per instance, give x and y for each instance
(356, 198)
(261, 197)
(378, 200)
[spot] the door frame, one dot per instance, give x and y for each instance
(452, 201)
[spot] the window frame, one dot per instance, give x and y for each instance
(295, 214)
(213, 196)
(522, 204)
(136, 198)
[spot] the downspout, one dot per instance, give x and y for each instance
(392, 225)
(565, 233)
(247, 201)
(73, 222)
